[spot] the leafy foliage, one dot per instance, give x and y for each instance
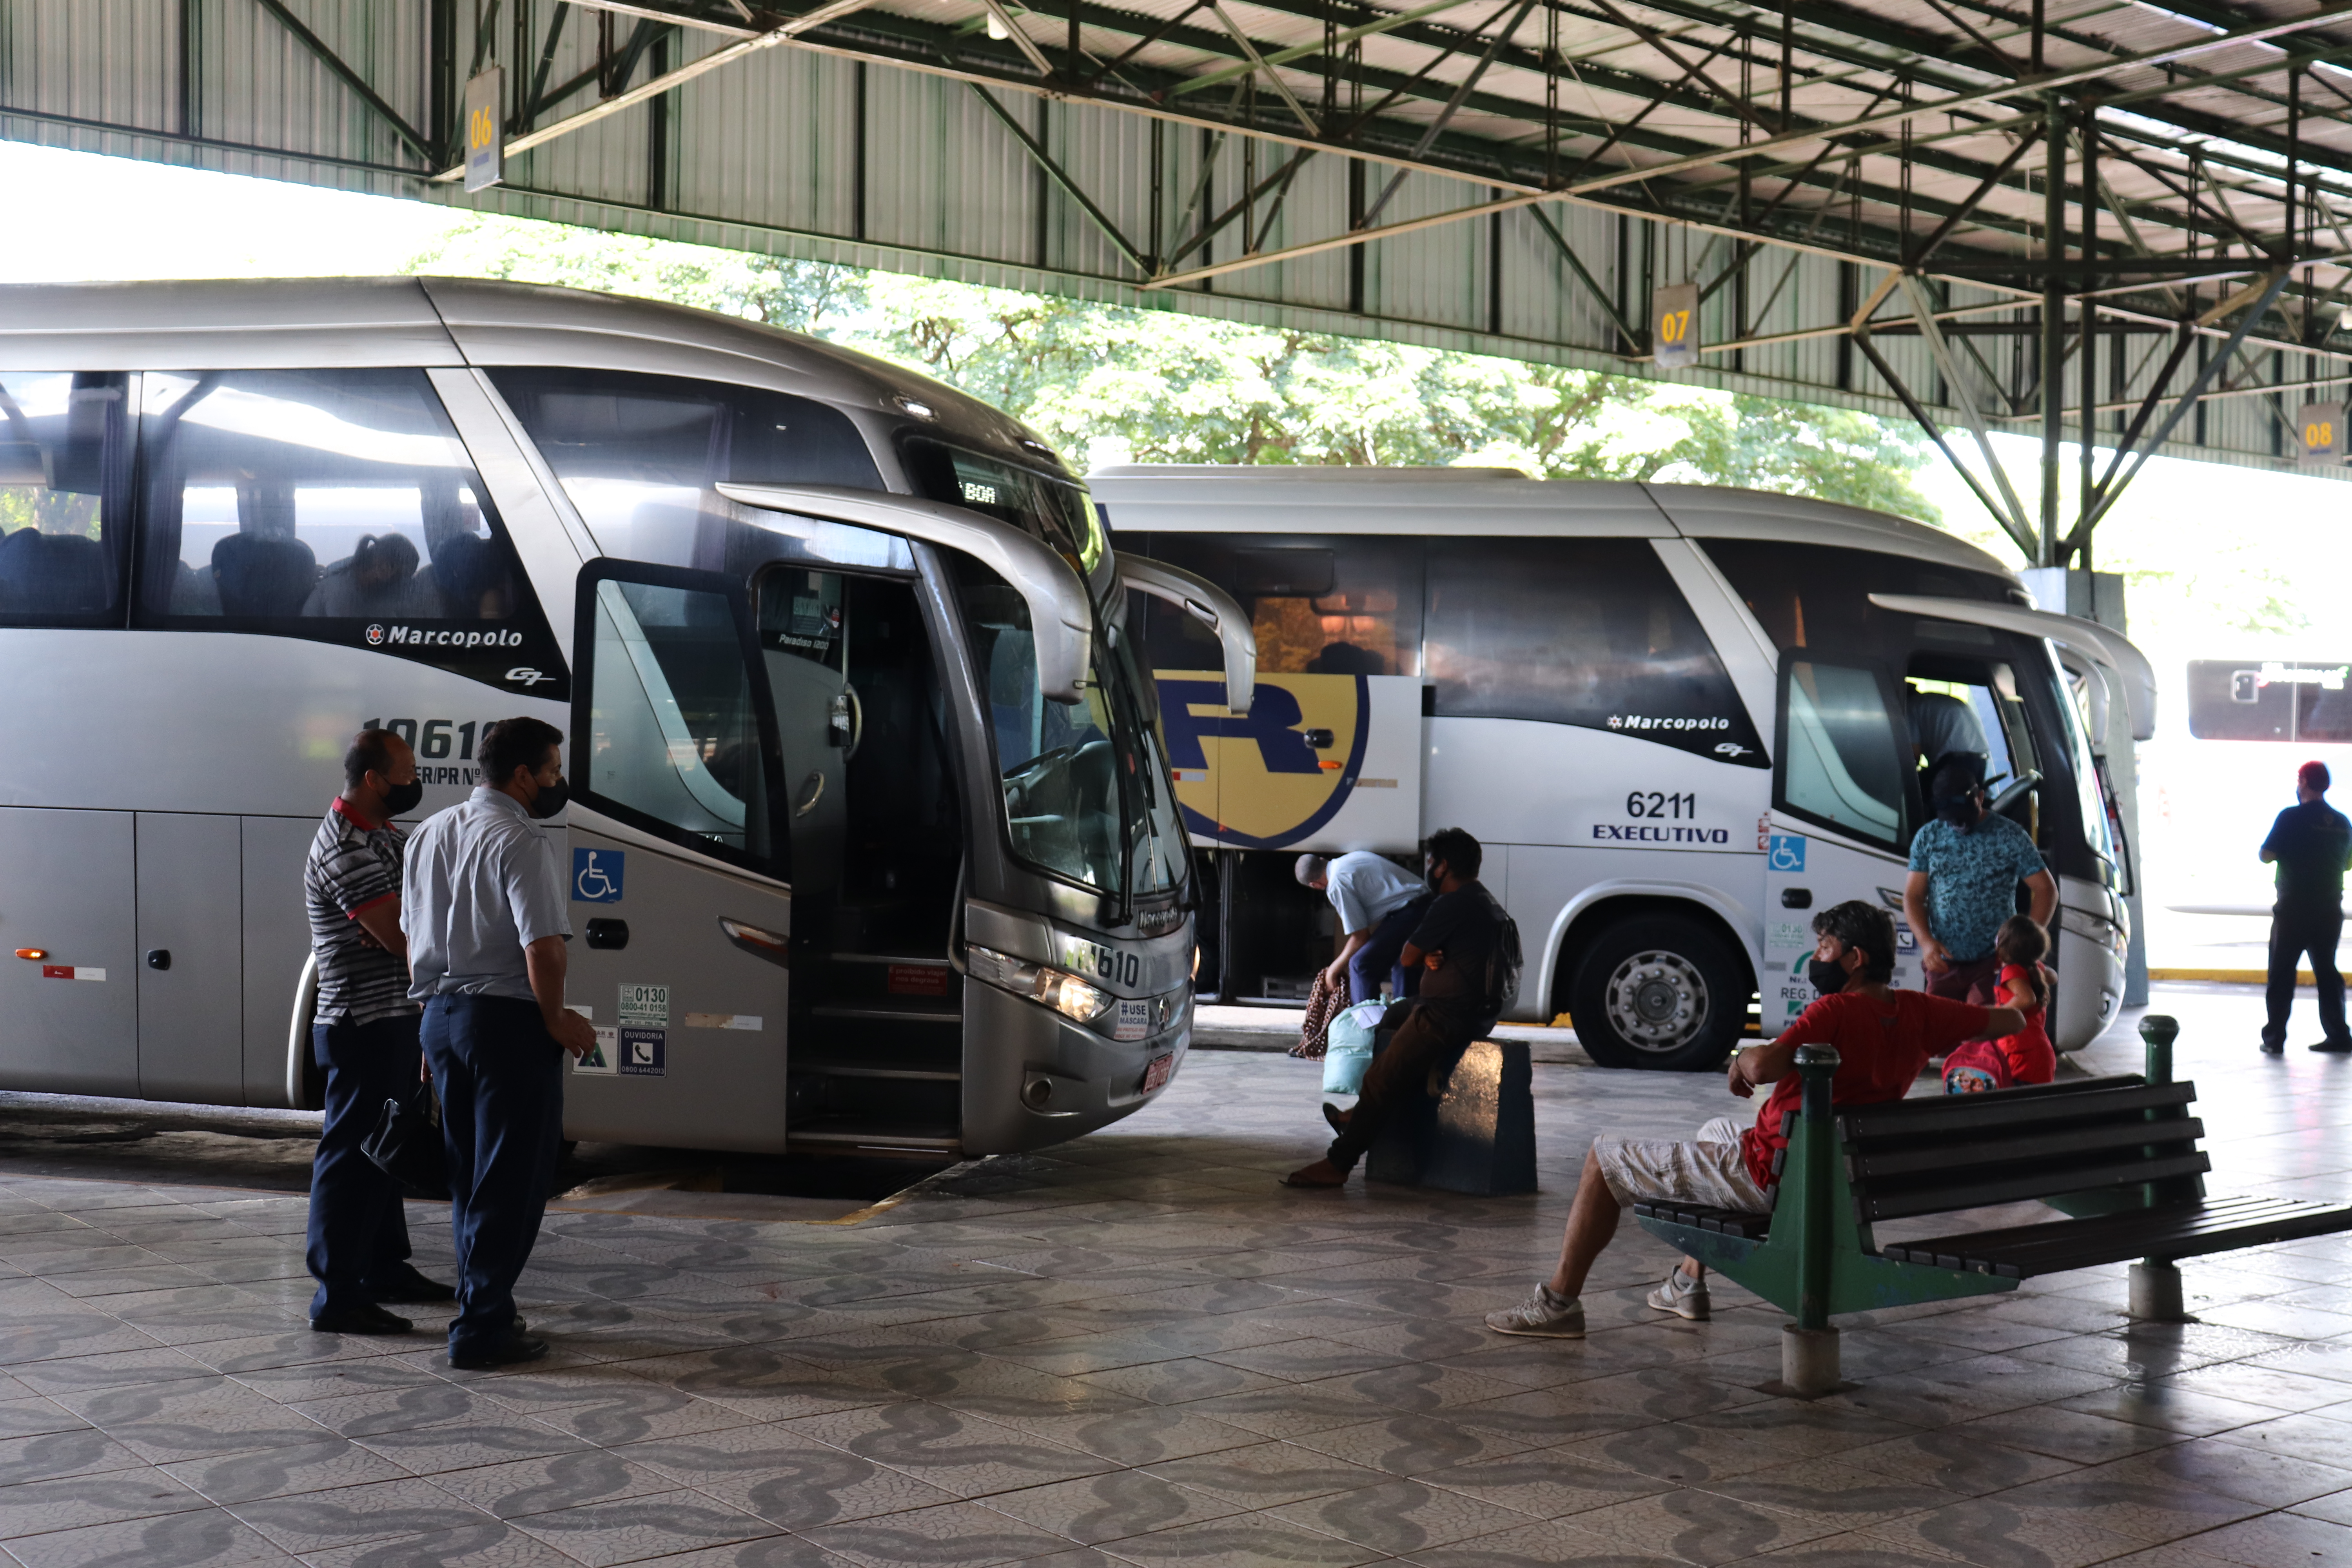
(1117, 383)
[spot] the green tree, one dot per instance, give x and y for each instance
(1110, 383)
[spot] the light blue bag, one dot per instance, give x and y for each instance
(1349, 1046)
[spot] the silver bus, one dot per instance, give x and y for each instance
(1680, 718)
(872, 847)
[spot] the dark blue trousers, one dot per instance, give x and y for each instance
(1377, 960)
(500, 1074)
(357, 1232)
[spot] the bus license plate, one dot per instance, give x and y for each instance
(1156, 1073)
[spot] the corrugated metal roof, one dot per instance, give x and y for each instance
(865, 138)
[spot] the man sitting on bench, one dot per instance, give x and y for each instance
(1884, 1037)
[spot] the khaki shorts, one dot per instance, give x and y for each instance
(1709, 1173)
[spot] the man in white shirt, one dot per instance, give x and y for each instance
(486, 916)
(1378, 902)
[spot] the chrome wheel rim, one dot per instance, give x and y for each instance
(1657, 1001)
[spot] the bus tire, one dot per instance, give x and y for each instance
(1659, 993)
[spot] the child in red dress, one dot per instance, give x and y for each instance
(2026, 1057)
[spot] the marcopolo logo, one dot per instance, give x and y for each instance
(379, 636)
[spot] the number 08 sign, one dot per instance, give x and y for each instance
(1674, 325)
(485, 148)
(2321, 428)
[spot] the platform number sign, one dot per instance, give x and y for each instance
(1674, 322)
(485, 149)
(2320, 426)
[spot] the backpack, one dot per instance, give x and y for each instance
(1975, 1067)
(1504, 960)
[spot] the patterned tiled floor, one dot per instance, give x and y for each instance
(1138, 1351)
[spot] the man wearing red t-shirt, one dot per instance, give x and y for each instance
(1884, 1037)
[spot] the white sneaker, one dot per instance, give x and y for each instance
(1683, 1296)
(1543, 1315)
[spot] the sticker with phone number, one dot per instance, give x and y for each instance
(1156, 1075)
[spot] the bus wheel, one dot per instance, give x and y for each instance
(1660, 992)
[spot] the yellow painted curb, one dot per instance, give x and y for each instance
(2227, 977)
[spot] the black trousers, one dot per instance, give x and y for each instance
(358, 1233)
(2293, 932)
(500, 1076)
(1426, 1036)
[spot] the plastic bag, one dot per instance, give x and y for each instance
(1350, 1048)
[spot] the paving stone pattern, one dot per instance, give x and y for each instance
(1135, 1350)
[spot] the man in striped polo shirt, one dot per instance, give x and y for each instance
(365, 1037)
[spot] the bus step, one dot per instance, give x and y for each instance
(847, 1137)
(919, 1074)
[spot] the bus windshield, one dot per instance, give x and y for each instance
(1084, 792)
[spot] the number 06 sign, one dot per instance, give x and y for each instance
(1674, 326)
(485, 148)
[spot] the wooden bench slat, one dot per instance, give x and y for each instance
(1900, 1203)
(2162, 1233)
(2216, 1212)
(1910, 1156)
(2031, 1106)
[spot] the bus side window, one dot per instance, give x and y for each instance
(1320, 603)
(1840, 765)
(314, 495)
(1588, 632)
(65, 492)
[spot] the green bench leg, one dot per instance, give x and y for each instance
(2155, 1295)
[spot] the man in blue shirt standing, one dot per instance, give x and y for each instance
(1378, 903)
(2310, 844)
(1965, 868)
(487, 917)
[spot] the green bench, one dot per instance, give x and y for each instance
(2117, 1156)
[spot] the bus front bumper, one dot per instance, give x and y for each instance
(1033, 1077)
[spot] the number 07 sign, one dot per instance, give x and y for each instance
(485, 148)
(1674, 326)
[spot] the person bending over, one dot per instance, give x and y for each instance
(1450, 946)
(1884, 1037)
(1379, 904)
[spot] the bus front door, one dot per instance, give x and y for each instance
(1837, 826)
(877, 849)
(681, 903)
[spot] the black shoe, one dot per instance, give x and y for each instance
(1336, 1117)
(511, 1351)
(2274, 1047)
(410, 1286)
(359, 1320)
(2334, 1047)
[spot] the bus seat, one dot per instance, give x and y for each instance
(259, 575)
(52, 573)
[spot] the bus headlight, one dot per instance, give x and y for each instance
(1072, 997)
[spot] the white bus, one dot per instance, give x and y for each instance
(871, 845)
(1677, 716)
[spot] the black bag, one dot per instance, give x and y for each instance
(406, 1145)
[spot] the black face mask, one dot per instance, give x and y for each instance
(553, 798)
(399, 799)
(1828, 978)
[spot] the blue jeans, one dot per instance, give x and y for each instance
(1377, 960)
(357, 1232)
(500, 1076)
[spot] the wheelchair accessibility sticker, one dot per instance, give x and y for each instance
(596, 875)
(1787, 853)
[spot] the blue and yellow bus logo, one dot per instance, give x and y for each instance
(1254, 780)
